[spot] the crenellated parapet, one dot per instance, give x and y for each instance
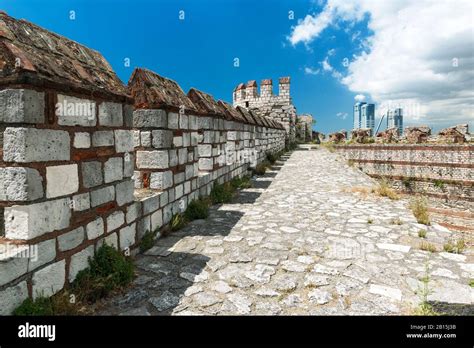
(276, 106)
(86, 160)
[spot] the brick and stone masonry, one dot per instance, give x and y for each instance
(86, 160)
(444, 171)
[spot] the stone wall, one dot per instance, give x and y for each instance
(444, 171)
(277, 107)
(86, 160)
(304, 128)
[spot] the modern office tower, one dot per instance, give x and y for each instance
(395, 119)
(358, 114)
(368, 117)
(364, 116)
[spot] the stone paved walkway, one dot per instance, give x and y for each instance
(302, 241)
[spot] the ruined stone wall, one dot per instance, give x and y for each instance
(86, 161)
(444, 171)
(277, 107)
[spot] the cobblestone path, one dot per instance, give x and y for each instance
(304, 240)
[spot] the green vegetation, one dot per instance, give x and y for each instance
(428, 247)
(147, 241)
(108, 271)
(291, 147)
(222, 193)
(425, 308)
(260, 169)
(198, 209)
(384, 190)
(471, 283)
(40, 306)
(455, 247)
(422, 233)
(178, 221)
(370, 221)
(241, 183)
(419, 207)
(439, 184)
(407, 182)
(396, 221)
(271, 157)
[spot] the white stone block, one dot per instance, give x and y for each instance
(115, 220)
(20, 184)
(161, 180)
(29, 221)
(61, 180)
(127, 236)
(110, 114)
(21, 106)
(49, 280)
(35, 145)
(95, 228)
(152, 159)
(80, 261)
(124, 141)
(82, 140)
(72, 111)
(12, 297)
(71, 240)
(113, 169)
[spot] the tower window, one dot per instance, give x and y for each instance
(247, 104)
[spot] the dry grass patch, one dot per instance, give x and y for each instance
(363, 191)
(428, 247)
(384, 190)
(419, 207)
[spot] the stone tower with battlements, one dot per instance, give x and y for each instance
(277, 106)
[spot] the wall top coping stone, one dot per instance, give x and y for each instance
(31, 55)
(231, 112)
(152, 91)
(205, 103)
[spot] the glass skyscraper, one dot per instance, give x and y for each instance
(395, 119)
(364, 116)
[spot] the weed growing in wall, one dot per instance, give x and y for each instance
(178, 221)
(109, 270)
(147, 240)
(222, 193)
(198, 209)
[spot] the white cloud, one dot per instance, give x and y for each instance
(311, 71)
(359, 97)
(331, 52)
(342, 115)
(409, 58)
(327, 67)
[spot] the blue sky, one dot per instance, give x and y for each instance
(199, 51)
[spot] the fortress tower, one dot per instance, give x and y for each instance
(277, 106)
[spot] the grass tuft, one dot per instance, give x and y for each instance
(419, 207)
(422, 233)
(197, 209)
(455, 247)
(384, 190)
(428, 247)
(222, 193)
(178, 221)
